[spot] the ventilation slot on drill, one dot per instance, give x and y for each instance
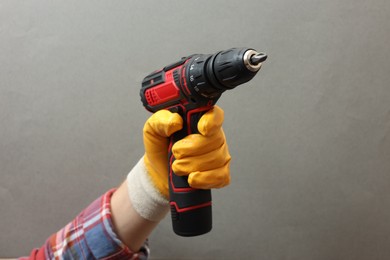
(164, 93)
(151, 97)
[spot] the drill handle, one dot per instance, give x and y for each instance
(190, 208)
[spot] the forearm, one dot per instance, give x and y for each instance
(137, 207)
(91, 235)
(130, 227)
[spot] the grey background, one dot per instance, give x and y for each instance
(309, 136)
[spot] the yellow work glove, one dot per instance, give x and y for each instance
(204, 157)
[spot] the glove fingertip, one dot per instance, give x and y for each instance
(192, 181)
(164, 123)
(211, 121)
(175, 123)
(213, 179)
(177, 169)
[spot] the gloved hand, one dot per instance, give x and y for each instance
(204, 157)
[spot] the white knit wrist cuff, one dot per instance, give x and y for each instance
(144, 196)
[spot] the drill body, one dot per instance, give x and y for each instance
(190, 87)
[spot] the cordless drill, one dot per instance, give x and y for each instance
(190, 87)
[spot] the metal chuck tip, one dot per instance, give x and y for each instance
(258, 58)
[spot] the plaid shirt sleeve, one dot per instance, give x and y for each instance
(89, 236)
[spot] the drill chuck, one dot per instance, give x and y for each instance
(211, 75)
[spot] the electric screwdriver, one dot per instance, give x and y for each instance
(190, 87)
